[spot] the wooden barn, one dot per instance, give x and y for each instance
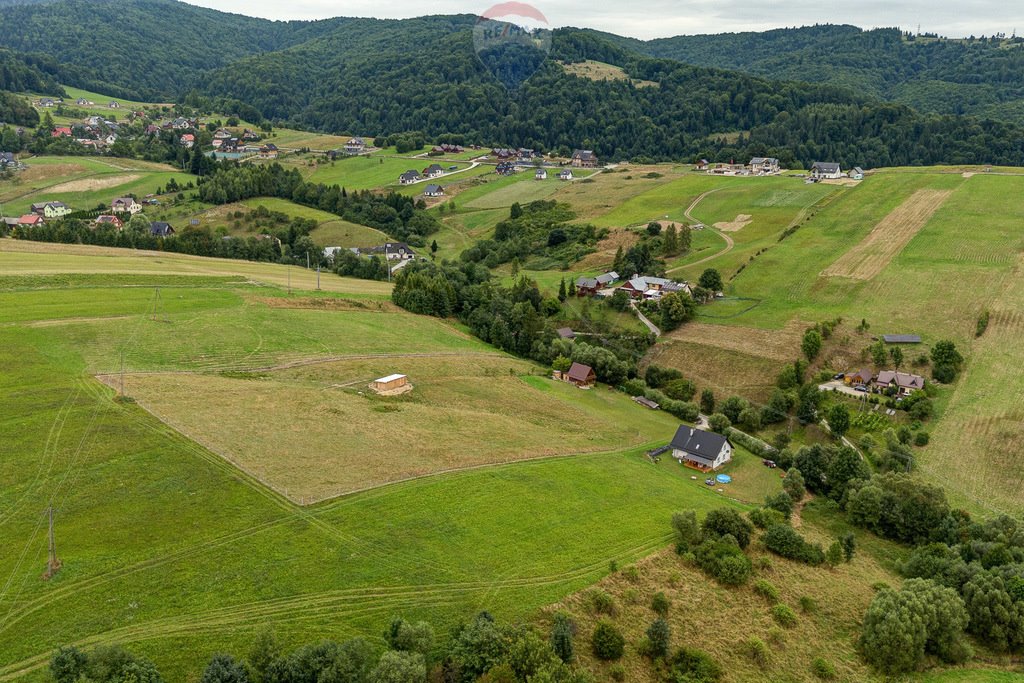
(583, 376)
(389, 383)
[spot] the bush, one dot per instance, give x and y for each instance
(921, 439)
(719, 423)
(726, 521)
(764, 518)
(563, 631)
(659, 636)
(755, 446)
(607, 642)
(631, 573)
(758, 652)
(724, 560)
(767, 590)
(780, 502)
(808, 605)
(657, 377)
(693, 666)
(823, 669)
(617, 672)
(601, 602)
(660, 604)
(944, 373)
(785, 541)
(784, 616)
(680, 389)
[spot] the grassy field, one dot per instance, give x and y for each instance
(176, 553)
(364, 173)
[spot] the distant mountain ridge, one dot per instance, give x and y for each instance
(374, 76)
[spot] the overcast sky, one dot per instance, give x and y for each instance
(662, 18)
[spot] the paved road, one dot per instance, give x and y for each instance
(643, 318)
(839, 386)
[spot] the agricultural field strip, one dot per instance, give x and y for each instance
(870, 256)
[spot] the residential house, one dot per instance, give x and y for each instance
(540, 174)
(8, 159)
(583, 158)
(181, 123)
(583, 376)
(503, 153)
(355, 146)
(525, 154)
(700, 449)
(160, 229)
(392, 251)
(113, 221)
(114, 104)
(902, 382)
(250, 135)
(51, 210)
(857, 173)
(650, 287)
(331, 252)
(433, 191)
(764, 165)
(862, 376)
(505, 168)
(30, 219)
(826, 170)
(565, 174)
(727, 169)
(61, 132)
(409, 177)
(125, 204)
(46, 102)
(586, 286)
(433, 171)
(268, 151)
(110, 139)
(701, 165)
(82, 102)
(187, 140)
(152, 129)
(608, 278)
(223, 134)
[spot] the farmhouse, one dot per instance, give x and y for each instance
(583, 158)
(583, 376)
(703, 450)
(701, 165)
(114, 105)
(433, 191)
(565, 174)
(112, 221)
(825, 170)
(606, 279)
(81, 101)
(355, 146)
(764, 165)
(540, 174)
(268, 151)
(61, 132)
(123, 204)
(160, 229)
(862, 376)
(30, 219)
(650, 287)
(586, 286)
(51, 209)
(409, 177)
(903, 382)
(433, 171)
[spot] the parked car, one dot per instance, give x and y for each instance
(770, 464)
(861, 388)
(838, 375)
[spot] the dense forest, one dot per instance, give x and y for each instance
(382, 77)
(979, 76)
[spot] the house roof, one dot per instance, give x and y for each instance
(646, 402)
(825, 167)
(699, 444)
(904, 380)
(124, 200)
(587, 282)
(610, 276)
(580, 372)
(901, 338)
(584, 155)
(858, 169)
(566, 333)
(565, 171)
(160, 228)
(864, 374)
(409, 175)
(433, 189)
(107, 219)
(433, 167)
(541, 171)
(389, 378)
(757, 161)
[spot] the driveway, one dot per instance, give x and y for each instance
(837, 385)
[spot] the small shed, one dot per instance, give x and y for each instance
(389, 383)
(566, 333)
(583, 376)
(901, 338)
(646, 402)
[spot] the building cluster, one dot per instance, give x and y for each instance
(762, 166)
(121, 211)
(644, 287)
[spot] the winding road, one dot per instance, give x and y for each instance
(729, 244)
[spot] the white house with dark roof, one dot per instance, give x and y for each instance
(764, 165)
(51, 209)
(700, 449)
(409, 177)
(826, 170)
(565, 174)
(433, 191)
(125, 204)
(433, 171)
(540, 174)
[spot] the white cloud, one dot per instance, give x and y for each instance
(662, 18)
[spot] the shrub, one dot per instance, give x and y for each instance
(660, 604)
(763, 563)
(834, 554)
(659, 636)
(617, 672)
(763, 518)
(780, 502)
(607, 641)
(767, 590)
(726, 521)
(784, 616)
(562, 633)
(631, 596)
(631, 573)
(823, 669)
(719, 423)
(693, 666)
(724, 560)
(808, 605)
(680, 389)
(657, 376)
(601, 602)
(758, 652)
(785, 541)
(921, 439)
(793, 484)
(613, 566)
(982, 324)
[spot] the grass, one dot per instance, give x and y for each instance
(364, 173)
(599, 71)
(458, 398)
(174, 552)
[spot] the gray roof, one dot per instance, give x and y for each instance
(698, 444)
(610, 276)
(431, 189)
(584, 154)
(587, 282)
(757, 161)
(825, 167)
(160, 229)
(565, 333)
(858, 169)
(901, 338)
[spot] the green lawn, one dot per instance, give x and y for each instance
(364, 173)
(173, 552)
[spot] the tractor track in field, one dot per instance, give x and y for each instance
(334, 603)
(729, 243)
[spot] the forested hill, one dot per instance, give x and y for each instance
(145, 49)
(372, 77)
(975, 76)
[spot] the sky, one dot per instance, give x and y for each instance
(648, 19)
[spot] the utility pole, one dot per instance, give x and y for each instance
(52, 564)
